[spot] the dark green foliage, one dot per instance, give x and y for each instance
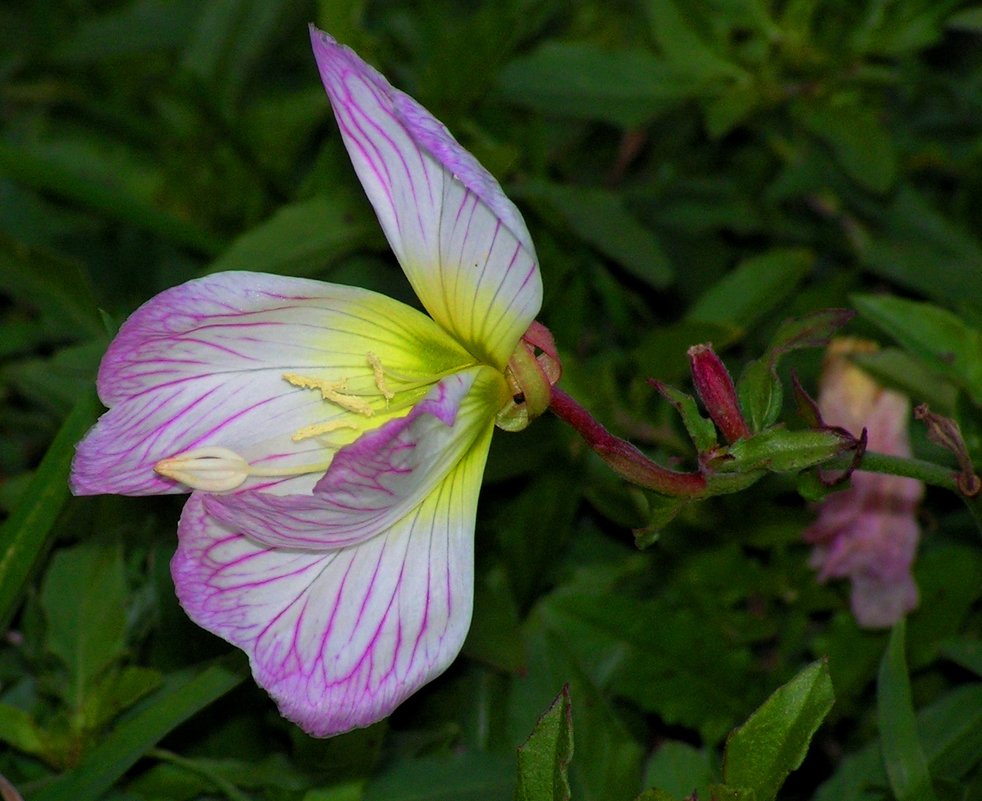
(690, 171)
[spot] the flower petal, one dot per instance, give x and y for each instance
(203, 365)
(378, 478)
(460, 240)
(340, 638)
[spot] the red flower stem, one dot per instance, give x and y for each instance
(626, 460)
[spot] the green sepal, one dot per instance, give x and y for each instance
(783, 451)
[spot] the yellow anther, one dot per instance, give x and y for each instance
(379, 374)
(331, 391)
(317, 429)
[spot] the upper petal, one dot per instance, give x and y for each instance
(340, 638)
(378, 478)
(203, 365)
(460, 240)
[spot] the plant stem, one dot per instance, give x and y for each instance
(626, 460)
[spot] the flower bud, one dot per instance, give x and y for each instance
(716, 391)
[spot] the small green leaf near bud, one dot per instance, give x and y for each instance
(701, 431)
(781, 451)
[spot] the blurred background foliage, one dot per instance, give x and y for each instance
(691, 170)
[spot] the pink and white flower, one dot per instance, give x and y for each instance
(334, 439)
(868, 532)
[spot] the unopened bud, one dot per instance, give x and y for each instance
(716, 391)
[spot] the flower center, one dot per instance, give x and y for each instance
(532, 370)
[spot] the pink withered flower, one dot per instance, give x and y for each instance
(869, 531)
(334, 439)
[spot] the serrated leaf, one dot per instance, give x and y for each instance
(903, 755)
(543, 759)
(774, 741)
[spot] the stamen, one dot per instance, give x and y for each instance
(331, 391)
(379, 374)
(317, 429)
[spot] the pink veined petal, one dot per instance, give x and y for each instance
(340, 638)
(461, 242)
(378, 478)
(202, 364)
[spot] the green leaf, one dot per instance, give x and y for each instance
(701, 430)
(862, 146)
(624, 86)
(680, 770)
(600, 218)
(932, 333)
(19, 730)
(755, 287)
(543, 759)
(967, 653)
(683, 44)
(761, 393)
(302, 238)
(903, 755)
(656, 795)
(118, 691)
(780, 450)
(115, 203)
(84, 601)
(183, 695)
(774, 741)
(912, 376)
(59, 289)
(920, 248)
(25, 535)
(472, 776)
(495, 635)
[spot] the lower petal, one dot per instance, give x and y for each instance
(340, 638)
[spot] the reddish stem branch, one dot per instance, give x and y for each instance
(626, 460)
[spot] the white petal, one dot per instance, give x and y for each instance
(202, 365)
(340, 638)
(461, 242)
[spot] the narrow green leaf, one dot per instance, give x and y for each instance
(781, 450)
(625, 86)
(26, 534)
(46, 175)
(84, 601)
(543, 759)
(898, 368)
(56, 287)
(862, 146)
(903, 755)
(183, 695)
(19, 730)
(600, 218)
(967, 653)
(302, 238)
(932, 333)
(774, 741)
(753, 288)
(701, 430)
(760, 393)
